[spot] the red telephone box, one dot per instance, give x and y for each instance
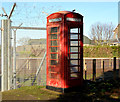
(64, 50)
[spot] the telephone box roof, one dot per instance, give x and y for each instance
(64, 13)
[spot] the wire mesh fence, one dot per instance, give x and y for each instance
(26, 72)
(25, 76)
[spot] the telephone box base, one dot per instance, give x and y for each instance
(64, 90)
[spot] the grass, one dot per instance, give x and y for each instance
(107, 90)
(30, 93)
(25, 52)
(104, 91)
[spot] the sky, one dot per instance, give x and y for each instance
(119, 12)
(31, 14)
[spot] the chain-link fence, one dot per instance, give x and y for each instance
(25, 77)
(26, 71)
(28, 67)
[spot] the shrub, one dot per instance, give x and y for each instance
(101, 51)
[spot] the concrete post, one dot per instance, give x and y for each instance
(9, 56)
(14, 61)
(4, 55)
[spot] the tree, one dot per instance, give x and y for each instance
(101, 32)
(23, 41)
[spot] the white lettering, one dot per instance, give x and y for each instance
(55, 20)
(74, 19)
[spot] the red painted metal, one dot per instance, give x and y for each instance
(60, 65)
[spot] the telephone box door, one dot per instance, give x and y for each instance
(75, 54)
(53, 47)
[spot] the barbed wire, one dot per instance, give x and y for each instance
(31, 14)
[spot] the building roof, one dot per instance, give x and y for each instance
(116, 32)
(36, 41)
(116, 29)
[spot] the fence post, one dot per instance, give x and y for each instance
(85, 67)
(119, 67)
(27, 64)
(114, 68)
(101, 63)
(101, 66)
(39, 68)
(103, 70)
(94, 69)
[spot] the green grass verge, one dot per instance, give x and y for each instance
(105, 91)
(30, 93)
